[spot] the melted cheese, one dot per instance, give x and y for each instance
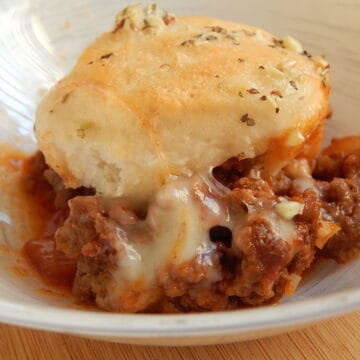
(284, 229)
(303, 183)
(176, 230)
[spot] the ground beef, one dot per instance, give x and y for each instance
(232, 170)
(255, 266)
(280, 184)
(254, 263)
(341, 201)
(261, 262)
(336, 176)
(48, 199)
(94, 234)
(191, 287)
(329, 167)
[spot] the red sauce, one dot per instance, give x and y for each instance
(40, 250)
(52, 265)
(39, 199)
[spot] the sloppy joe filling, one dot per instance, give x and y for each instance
(214, 241)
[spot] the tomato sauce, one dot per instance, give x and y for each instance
(52, 265)
(40, 250)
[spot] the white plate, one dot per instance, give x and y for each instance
(39, 41)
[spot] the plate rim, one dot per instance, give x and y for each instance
(136, 326)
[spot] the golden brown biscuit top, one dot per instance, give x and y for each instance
(196, 90)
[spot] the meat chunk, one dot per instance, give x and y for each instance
(255, 266)
(339, 184)
(341, 200)
(336, 182)
(96, 234)
(129, 264)
(329, 167)
(267, 249)
(49, 198)
(203, 246)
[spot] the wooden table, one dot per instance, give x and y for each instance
(333, 339)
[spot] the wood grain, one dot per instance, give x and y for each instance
(333, 339)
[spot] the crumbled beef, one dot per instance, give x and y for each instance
(261, 261)
(281, 183)
(339, 160)
(79, 228)
(99, 233)
(50, 198)
(335, 177)
(329, 167)
(256, 266)
(256, 258)
(341, 201)
(193, 286)
(94, 234)
(232, 170)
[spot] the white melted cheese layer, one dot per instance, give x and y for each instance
(176, 230)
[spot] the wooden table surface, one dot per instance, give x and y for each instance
(333, 339)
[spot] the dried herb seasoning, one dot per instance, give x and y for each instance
(276, 93)
(325, 70)
(106, 56)
(211, 38)
(165, 66)
(253, 91)
(278, 43)
(247, 120)
(306, 53)
(187, 43)
(293, 84)
(248, 32)
(65, 97)
(217, 29)
(169, 20)
(119, 26)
